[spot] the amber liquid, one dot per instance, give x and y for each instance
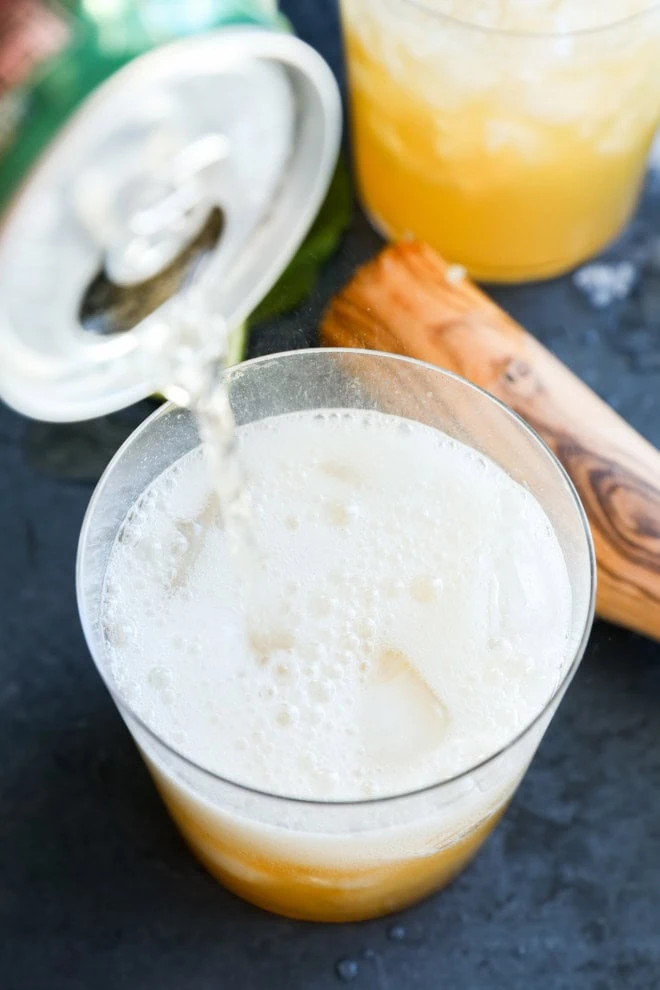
(508, 195)
(285, 885)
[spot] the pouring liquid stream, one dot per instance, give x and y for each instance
(194, 359)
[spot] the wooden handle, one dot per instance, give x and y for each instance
(409, 301)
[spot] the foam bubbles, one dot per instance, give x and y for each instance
(413, 610)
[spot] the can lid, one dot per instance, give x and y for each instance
(200, 164)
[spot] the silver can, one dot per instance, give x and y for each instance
(198, 168)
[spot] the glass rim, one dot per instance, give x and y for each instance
(168, 408)
(425, 7)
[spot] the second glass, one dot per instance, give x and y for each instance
(513, 138)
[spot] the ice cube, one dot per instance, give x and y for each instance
(402, 719)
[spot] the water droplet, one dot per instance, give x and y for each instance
(396, 933)
(346, 970)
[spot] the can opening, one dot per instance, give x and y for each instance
(109, 308)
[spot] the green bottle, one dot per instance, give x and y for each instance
(52, 55)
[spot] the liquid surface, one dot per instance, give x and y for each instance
(539, 16)
(414, 608)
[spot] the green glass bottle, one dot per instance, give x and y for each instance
(53, 54)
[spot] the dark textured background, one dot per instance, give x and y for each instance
(97, 891)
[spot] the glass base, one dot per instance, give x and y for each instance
(294, 889)
(498, 275)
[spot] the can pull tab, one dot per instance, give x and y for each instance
(142, 222)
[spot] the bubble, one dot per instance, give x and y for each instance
(286, 716)
(320, 692)
(425, 589)
(351, 643)
(283, 671)
(366, 629)
(114, 635)
(339, 514)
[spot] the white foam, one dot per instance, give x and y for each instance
(414, 609)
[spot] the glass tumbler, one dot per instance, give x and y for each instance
(329, 860)
(512, 137)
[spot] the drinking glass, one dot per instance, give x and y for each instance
(334, 860)
(514, 143)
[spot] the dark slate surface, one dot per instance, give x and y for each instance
(98, 893)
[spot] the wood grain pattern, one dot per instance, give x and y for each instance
(408, 301)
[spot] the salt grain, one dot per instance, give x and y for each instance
(604, 284)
